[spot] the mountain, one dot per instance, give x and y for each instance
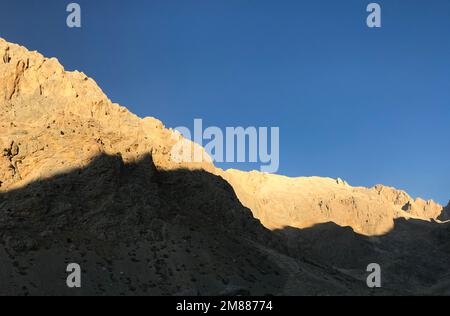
(83, 180)
(304, 202)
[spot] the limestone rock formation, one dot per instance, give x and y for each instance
(84, 180)
(304, 202)
(61, 120)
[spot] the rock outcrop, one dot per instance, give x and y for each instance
(61, 120)
(304, 202)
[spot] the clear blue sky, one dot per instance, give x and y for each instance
(370, 106)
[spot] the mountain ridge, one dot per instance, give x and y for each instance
(61, 97)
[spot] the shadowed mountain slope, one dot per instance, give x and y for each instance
(138, 230)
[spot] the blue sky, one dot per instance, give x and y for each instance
(367, 105)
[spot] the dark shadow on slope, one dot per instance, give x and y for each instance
(138, 230)
(445, 216)
(413, 257)
(133, 230)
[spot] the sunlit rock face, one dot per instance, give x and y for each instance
(53, 121)
(304, 202)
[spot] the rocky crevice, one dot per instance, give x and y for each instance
(6, 57)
